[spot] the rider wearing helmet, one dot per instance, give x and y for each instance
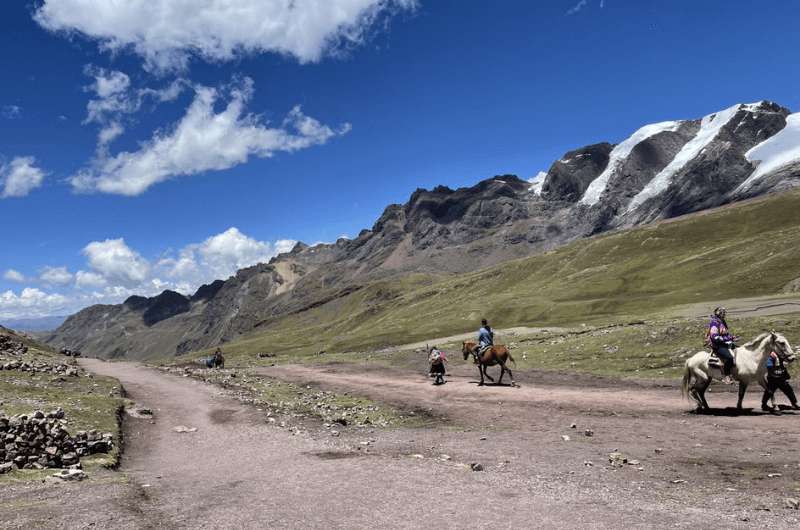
(722, 342)
(485, 338)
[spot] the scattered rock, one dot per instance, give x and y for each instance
(658, 451)
(475, 466)
(617, 459)
(70, 474)
(565, 437)
(184, 428)
(789, 502)
(588, 432)
(774, 475)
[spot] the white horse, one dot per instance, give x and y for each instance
(751, 366)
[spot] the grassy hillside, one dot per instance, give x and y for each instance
(89, 402)
(748, 249)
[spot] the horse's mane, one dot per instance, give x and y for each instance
(750, 345)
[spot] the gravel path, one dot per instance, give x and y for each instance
(237, 471)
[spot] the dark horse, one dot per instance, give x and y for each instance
(491, 356)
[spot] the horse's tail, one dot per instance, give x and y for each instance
(687, 377)
(511, 358)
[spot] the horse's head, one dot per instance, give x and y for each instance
(781, 346)
(466, 348)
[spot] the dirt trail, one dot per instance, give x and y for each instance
(237, 471)
(403, 389)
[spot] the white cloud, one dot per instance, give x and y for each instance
(116, 262)
(11, 112)
(20, 177)
(203, 140)
(167, 32)
(115, 98)
(30, 302)
(220, 256)
(13, 276)
(109, 83)
(55, 276)
(577, 7)
(88, 279)
(111, 89)
(118, 271)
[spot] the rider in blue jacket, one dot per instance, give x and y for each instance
(777, 379)
(485, 337)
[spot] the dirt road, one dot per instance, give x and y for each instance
(237, 471)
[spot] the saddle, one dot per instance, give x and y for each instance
(714, 361)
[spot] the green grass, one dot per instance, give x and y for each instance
(750, 249)
(652, 350)
(88, 402)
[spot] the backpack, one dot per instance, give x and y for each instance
(435, 357)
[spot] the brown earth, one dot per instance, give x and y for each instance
(238, 471)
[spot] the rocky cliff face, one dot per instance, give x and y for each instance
(662, 170)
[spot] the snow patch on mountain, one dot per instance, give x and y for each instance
(775, 152)
(537, 182)
(710, 127)
(618, 156)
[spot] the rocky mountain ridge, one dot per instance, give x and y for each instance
(663, 170)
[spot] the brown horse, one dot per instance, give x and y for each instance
(497, 354)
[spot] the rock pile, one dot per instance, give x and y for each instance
(40, 440)
(70, 353)
(40, 367)
(9, 346)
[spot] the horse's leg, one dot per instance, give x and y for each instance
(511, 375)
(702, 393)
(502, 373)
(480, 371)
(486, 373)
(695, 395)
(742, 390)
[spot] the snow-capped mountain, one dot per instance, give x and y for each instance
(671, 168)
(661, 171)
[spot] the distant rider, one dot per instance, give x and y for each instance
(777, 378)
(722, 342)
(485, 338)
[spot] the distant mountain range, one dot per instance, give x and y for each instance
(34, 323)
(661, 171)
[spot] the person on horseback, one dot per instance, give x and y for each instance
(722, 342)
(777, 378)
(485, 338)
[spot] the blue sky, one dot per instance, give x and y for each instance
(393, 95)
